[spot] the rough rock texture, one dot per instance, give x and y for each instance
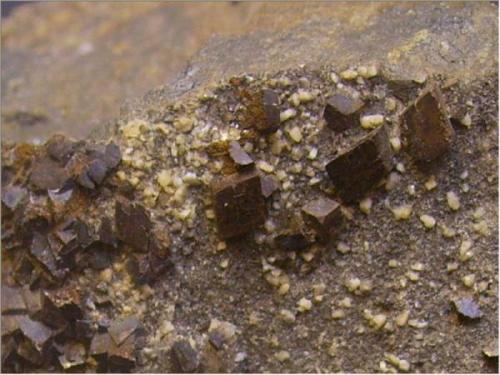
(377, 297)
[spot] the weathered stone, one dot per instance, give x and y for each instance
(12, 196)
(8, 351)
(113, 357)
(269, 185)
(10, 325)
(262, 111)
(37, 333)
(239, 156)
(83, 329)
(122, 358)
(491, 349)
(33, 300)
(112, 155)
(324, 215)
(48, 174)
(85, 181)
(101, 344)
(429, 130)
(146, 268)
(359, 168)
(60, 148)
(121, 329)
(84, 237)
(238, 203)
(292, 241)
(97, 171)
(216, 339)
(342, 111)
(27, 350)
(403, 89)
(211, 361)
(66, 233)
(12, 300)
(467, 308)
(73, 355)
(159, 243)
(60, 197)
(132, 223)
(184, 357)
(106, 233)
(42, 254)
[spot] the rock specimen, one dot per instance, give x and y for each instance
(239, 204)
(342, 111)
(324, 215)
(359, 168)
(429, 130)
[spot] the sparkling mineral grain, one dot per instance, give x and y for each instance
(362, 166)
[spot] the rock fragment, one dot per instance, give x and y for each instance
(112, 357)
(60, 148)
(184, 357)
(292, 241)
(324, 215)
(12, 300)
(467, 308)
(10, 325)
(133, 224)
(359, 168)
(269, 184)
(342, 112)
(121, 329)
(263, 111)
(73, 355)
(42, 254)
(238, 204)
(429, 130)
(37, 333)
(48, 174)
(491, 349)
(12, 196)
(239, 156)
